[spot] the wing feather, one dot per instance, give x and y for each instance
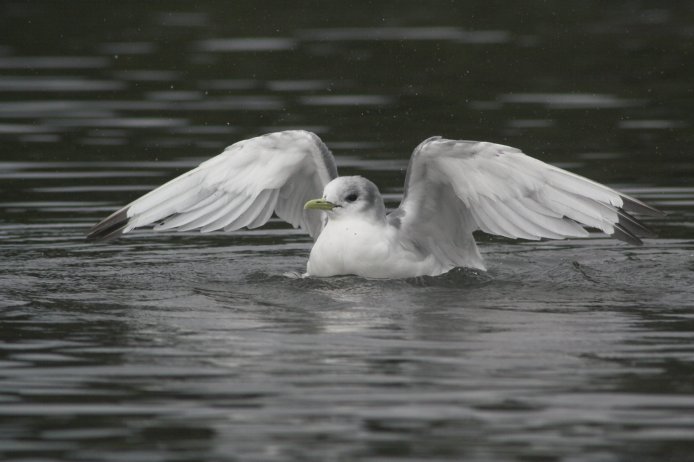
(234, 208)
(503, 191)
(264, 212)
(256, 208)
(510, 228)
(191, 214)
(486, 223)
(215, 211)
(557, 226)
(242, 187)
(528, 221)
(577, 209)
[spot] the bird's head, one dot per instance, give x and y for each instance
(348, 196)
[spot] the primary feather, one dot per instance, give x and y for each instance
(499, 190)
(243, 186)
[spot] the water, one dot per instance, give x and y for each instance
(186, 347)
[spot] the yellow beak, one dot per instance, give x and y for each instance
(319, 204)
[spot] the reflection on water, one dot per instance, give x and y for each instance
(568, 100)
(455, 34)
(186, 347)
(246, 44)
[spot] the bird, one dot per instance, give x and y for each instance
(452, 189)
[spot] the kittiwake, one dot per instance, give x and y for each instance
(452, 188)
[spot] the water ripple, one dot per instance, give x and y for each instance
(405, 33)
(246, 44)
(117, 122)
(53, 62)
(128, 48)
(346, 100)
(57, 84)
(569, 100)
(651, 124)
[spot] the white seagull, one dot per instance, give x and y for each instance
(452, 188)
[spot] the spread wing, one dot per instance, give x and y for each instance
(455, 187)
(241, 187)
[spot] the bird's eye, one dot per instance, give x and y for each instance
(351, 198)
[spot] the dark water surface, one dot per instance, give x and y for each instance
(181, 347)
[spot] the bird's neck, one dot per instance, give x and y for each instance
(371, 217)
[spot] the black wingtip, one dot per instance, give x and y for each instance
(623, 234)
(634, 226)
(628, 228)
(636, 206)
(110, 227)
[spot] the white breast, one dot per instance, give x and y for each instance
(366, 249)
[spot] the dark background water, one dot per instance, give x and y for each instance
(188, 347)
